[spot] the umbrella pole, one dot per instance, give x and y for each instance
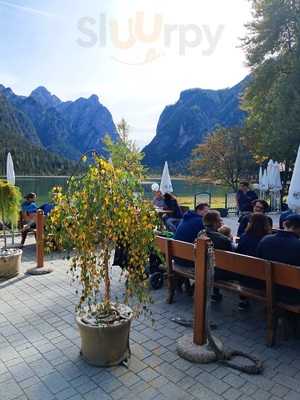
(12, 235)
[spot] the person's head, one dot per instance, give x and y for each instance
(30, 197)
(169, 196)
(158, 194)
(260, 206)
(259, 225)
(292, 224)
(212, 219)
(226, 231)
(244, 186)
(202, 209)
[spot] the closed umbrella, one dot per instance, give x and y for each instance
(294, 190)
(10, 171)
(277, 186)
(11, 178)
(265, 183)
(165, 183)
(270, 173)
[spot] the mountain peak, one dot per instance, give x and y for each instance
(44, 97)
(94, 98)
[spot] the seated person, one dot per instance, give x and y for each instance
(189, 227)
(284, 247)
(244, 197)
(29, 205)
(47, 208)
(259, 207)
(172, 219)
(258, 227)
(191, 224)
(226, 231)
(283, 217)
(29, 209)
(158, 200)
(213, 222)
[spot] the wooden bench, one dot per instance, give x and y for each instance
(268, 273)
(191, 252)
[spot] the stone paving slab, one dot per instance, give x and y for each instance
(39, 349)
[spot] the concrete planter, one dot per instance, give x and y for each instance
(10, 263)
(105, 345)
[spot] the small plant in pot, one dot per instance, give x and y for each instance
(10, 200)
(98, 214)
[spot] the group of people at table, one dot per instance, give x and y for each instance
(255, 237)
(29, 210)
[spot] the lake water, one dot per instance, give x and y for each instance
(182, 188)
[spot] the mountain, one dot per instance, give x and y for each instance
(89, 122)
(66, 128)
(184, 125)
(28, 158)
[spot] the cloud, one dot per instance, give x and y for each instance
(30, 10)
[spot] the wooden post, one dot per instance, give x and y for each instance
(40, 239)
(200, 292)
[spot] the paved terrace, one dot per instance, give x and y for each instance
(39, 349)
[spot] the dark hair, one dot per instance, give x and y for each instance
(211, 218)
(244, 183)
(30, 196)
(259, 225)
(263, 203)
(201, 206)
(169, 196)
(293, 223)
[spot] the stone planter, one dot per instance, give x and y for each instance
(105, 345)
(10, 263)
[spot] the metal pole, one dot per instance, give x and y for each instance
(40, 239)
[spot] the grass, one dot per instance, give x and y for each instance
(216, 202)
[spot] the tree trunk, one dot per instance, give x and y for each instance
(106, 277)
(3, 228)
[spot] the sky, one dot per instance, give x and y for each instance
(136, 55)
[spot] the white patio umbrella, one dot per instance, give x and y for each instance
(294, 190)
(11, 178)
(270, 173)
(165, 183)
(277, 187)
(10, 171)
(265, 183)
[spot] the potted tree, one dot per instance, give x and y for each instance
(99, 213)
(10, 200)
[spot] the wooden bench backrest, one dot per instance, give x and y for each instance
(176, 248)
(286, 275)
(244, 265)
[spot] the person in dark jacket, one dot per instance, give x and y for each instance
(172, 219)
(284, 247)
(283, 217)
(189, 227)
(245, 197)
(259, 207)
(191, 224)
(212, 223)
(258, 227)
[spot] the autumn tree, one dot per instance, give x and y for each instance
(124, 153)
(273, 96)
(223, 156)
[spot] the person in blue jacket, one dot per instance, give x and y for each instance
(191, 224)
(284, 247)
